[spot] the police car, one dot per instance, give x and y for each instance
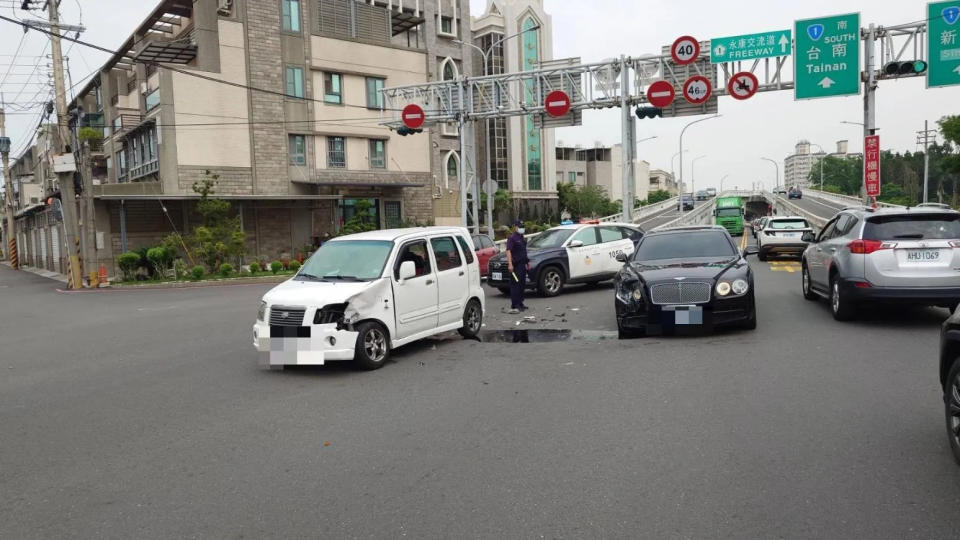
(581, 253)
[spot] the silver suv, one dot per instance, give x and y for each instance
(863, 255)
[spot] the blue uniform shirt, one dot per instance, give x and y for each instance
(517, 246)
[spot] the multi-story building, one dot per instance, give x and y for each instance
(797, 167)
(571, 166)
(601, 166)
(519, 36)
(279, 101)
(661, 180)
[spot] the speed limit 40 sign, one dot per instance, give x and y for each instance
(697, 89)
(685, 50)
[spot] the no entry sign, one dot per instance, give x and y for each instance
(557, 103)
(412, 116)
(871, 165)
(743, 85)
(697, 89)
(661, 94)
(685, 50)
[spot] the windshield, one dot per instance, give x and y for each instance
(687, 245)
(728, 212)
(551, 239)
(788, 224)
(348, 260)
(913, 227)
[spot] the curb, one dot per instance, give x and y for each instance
(235, 282)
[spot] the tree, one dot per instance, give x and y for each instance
(585, 201)
(219, 236)
(362, 220)
(657, 196)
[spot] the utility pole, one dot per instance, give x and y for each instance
(925, 137)
(8, 187)
(629, 143)
(67, 192)
(869, 96)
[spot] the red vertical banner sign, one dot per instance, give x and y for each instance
(871, 165)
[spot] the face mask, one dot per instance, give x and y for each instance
(520, 230)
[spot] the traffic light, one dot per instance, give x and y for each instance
(908, 67)
(403, 131)
(649, 112)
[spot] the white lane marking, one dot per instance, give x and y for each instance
(163, 308)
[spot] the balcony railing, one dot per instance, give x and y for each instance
(151, 167)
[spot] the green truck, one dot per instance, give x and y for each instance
(729, 214)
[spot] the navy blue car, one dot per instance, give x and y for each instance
(570, 254)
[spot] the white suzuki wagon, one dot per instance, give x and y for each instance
(360, 296)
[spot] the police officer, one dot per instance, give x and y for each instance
(517, 263)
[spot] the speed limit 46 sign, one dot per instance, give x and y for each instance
(697, 89)
(685, 50)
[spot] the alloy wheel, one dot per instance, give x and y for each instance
(806, 281)
(473, 318)
(835, 297)
(375, 345)
(953, 422)
(552, 281)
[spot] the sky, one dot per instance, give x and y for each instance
(767, 125)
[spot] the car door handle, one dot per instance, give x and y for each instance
(461, 272)
(429, 282)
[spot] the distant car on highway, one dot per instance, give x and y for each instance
(685, 203)
(795, 193)
(684, 277)
(780, 190)
(950, 380)
(702, 195)
(758, 225)
(900, 255)
(782, 236)
(711, 192)
(581, 253)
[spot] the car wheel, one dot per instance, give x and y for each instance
(807, 284)
(504, 290)
(762, 255)
(373, 346)
(551, 281)
(842, 308)
(952, 409)
(472, 320)
(751, 323)
(626, 333)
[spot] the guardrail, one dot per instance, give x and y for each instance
(847, 200)
(698, 216)
(786, 208)
(641, 212)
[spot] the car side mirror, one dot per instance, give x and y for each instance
(622, 257)
(809, 237)
(575, 244)
(750, 250)
(407, 270)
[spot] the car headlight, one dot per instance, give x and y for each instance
(629, 292)
(740, 286)
(723, 288)
(262, 312)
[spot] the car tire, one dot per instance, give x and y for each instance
(842, 309)
(751, 323)
(472, 320)
(626, 333)
(504, 290)
(373, 346)
(807, 283)
(951, 404)
(762, 255)
(550, 282)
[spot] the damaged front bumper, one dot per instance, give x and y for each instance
(309, 345)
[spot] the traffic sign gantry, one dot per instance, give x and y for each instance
(685, 50)
(826, 57)
(743, 85)
(697, 89)
(557, 103)
(413, 116)
(750, 46)
(943, 43)
(661, 94)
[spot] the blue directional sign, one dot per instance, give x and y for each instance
(826, 56)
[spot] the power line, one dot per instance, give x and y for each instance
(19, 48)
(183, 71)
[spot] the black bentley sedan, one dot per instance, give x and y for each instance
(684, 279)
(950, 379)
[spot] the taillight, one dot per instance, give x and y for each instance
(866, 247)
(955, 243)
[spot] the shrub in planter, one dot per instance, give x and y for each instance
(226, 269)
(129, 262)
(276, 266)
(294, 265)
(160, 259)
(179, 269)
(197, 272)
(254, 267)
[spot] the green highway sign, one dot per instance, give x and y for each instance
(826, 56)
(750, 46)
(943, 43)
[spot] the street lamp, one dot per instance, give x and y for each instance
(777, 166)
(485, 55)
(721, 182)
(684, 130)
(646, 139)
(673, 167)
(693, 172)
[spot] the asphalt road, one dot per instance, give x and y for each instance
(821, 207)
(144, 414)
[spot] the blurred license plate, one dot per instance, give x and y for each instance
(686, 314)
(923, 255)
(792, 235)
(496, 276)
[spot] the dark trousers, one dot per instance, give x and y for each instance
(518, 286)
